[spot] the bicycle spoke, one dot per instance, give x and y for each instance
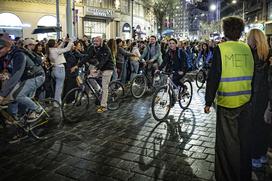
(161, 103)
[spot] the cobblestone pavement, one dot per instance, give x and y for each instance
(127, 144)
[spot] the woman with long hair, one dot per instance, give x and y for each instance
(55, 54)
(113, 47)
(205, 54)
(257, 41)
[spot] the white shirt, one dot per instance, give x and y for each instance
(56, 54)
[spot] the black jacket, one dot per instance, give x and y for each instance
(173, 61)
(101, 57)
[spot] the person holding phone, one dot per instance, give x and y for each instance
(55, 54)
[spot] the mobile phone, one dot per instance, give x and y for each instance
(67, 35)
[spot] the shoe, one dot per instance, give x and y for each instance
(34, 116)
(101, 109)
(264, 159)
(256, 163)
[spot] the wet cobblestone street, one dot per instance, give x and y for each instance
(127, 144)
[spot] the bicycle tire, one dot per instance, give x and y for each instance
(185, 93)
(73, 107)
(135, 92)
(200, 79)
(164, 103)
(49, 122)
(116, 92)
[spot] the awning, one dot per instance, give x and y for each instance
(46, 29)
(168, 32)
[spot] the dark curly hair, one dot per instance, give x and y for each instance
(233, 27)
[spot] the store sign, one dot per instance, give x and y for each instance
(126, 28)
(99, 12)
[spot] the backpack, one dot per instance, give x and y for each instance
(36, 59)
(32, 68)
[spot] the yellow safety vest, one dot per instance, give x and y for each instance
(237, 72)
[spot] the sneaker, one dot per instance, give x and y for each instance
(256, 163)
(101, 109)
(264, 159)
(34, 116)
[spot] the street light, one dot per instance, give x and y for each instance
(233, 1)
(213, 7)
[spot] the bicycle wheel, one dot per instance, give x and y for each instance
(138, 86)
(49, 122)
(75, 102)
(185, 94)
(200, 79)
(116, 92)
(161, 103)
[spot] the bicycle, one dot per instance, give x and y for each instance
(140, 83)
(165, 97)
(79, 97)
(39, 129)
(201, 76)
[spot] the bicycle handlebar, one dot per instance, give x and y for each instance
(166, 73)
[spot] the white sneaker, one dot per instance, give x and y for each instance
(34, 116)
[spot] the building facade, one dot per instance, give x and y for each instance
(105, 18)
(181, 21)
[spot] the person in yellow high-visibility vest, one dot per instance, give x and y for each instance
(230, 82)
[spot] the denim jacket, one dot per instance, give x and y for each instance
(157, 57)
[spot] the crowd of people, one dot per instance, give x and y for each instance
(239, 78)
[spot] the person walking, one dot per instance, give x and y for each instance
(230, 77)
(257, 41)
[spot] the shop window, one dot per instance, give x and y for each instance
(125, 6)
(94, 28)
(47, 21)
(100, 3)
(11, 24)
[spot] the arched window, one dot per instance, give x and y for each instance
(11, 24)
(10, 20)
(47, 21)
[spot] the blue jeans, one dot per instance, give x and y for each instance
(28, 91)
(114, 74)
(59, 74)
(134, 66)
(123, 75)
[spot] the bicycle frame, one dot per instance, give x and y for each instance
(148, 77)
(96, 93)
(170, 84)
